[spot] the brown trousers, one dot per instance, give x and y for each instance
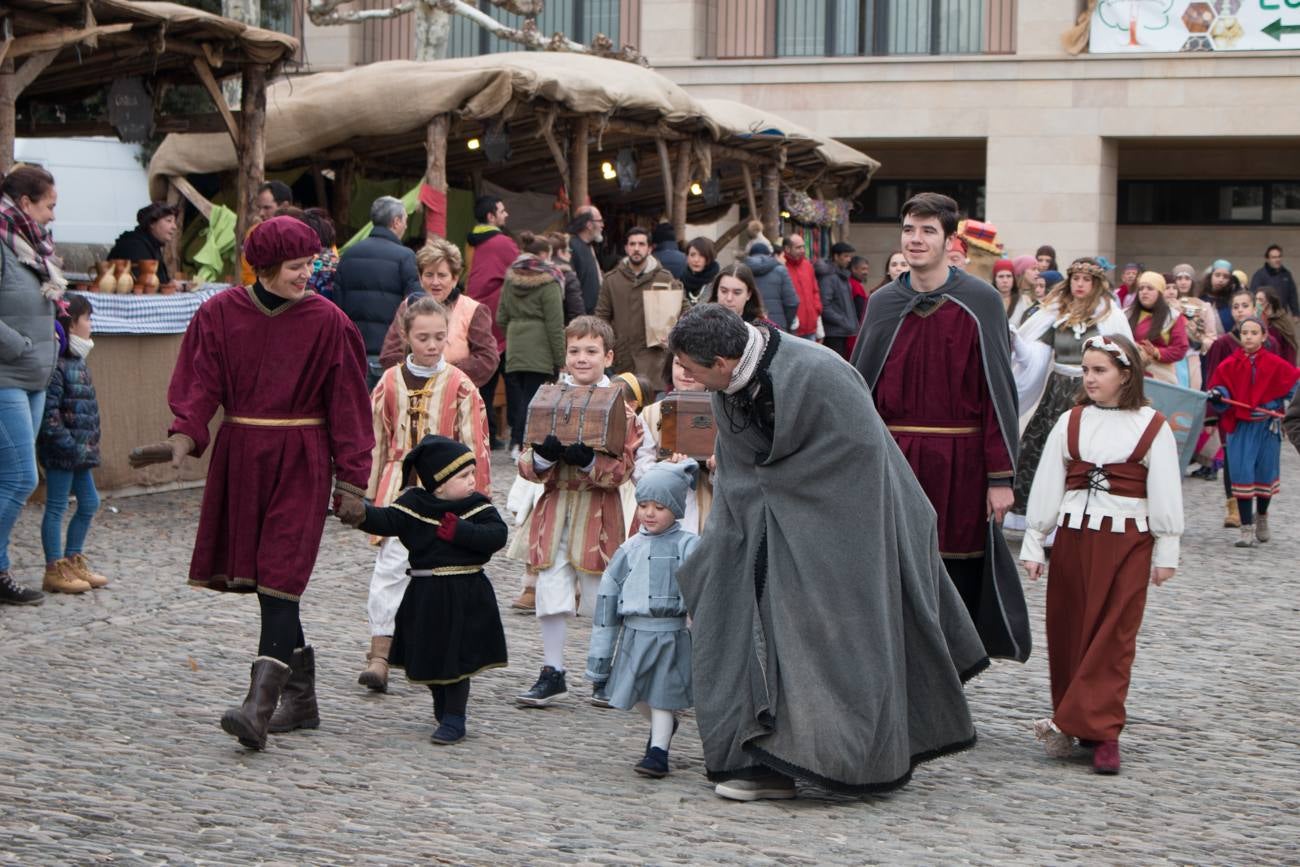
(1096, 592)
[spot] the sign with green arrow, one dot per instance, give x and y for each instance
(1199, 26)
(1277, 29)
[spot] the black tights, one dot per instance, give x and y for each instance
(450, 698)
(281, 628)
(1247, 513)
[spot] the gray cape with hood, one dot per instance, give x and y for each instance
(829, 643)
(1003, 617)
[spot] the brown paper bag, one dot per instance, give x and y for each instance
(662, 304)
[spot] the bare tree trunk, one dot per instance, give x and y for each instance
(432, 31)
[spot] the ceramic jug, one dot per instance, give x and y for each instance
(148, 281)
(105, 280)
(122, 270)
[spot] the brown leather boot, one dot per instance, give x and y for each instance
(82, 570)
(60, 578)
(1232, 515)
(297, 708)
(527, 600)
(248, 721)
(376, 674)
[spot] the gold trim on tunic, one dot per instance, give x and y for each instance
(920, 428)
(444, 570)
(416, 515)
(275, 422)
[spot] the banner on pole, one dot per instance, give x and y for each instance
(1138, 26)
(1185, 410)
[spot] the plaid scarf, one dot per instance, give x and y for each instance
(33, 246)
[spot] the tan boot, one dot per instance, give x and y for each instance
(82, 570)
(376, 674)
(60, 578)
(1232, 517)
(527, 600)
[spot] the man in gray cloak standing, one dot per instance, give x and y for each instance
(829, 644)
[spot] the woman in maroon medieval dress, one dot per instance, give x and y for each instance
(288, 369)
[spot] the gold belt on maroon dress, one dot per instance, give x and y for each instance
(262, 421)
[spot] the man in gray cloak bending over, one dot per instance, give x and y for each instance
(829, 644)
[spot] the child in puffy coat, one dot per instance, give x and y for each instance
(68, 449)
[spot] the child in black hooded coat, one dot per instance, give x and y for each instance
(448, 626)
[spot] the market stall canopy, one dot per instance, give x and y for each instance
(545, 111)
(97, 41)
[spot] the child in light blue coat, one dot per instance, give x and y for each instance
(639, 609)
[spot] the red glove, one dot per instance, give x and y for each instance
(447, 526)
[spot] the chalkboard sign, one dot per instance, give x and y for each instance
(130, 110)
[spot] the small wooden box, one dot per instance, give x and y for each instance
(687, 426)
(591, 415)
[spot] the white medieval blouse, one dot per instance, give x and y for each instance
(1107, 436)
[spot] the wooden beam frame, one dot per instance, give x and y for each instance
(435, 173)
(193, 196)
(750, 198)
(666, 172)
(251, 150)
(209, 81)
(681, 187)
(578, 193)
(61, 38)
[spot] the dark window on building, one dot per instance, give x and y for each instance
(1208, 203)
(834, 28)
(882, 201)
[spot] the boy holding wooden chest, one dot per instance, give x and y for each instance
(577, 525)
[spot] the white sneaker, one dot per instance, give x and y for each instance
(1056, 743)
(1247, 539)
(515, 452)
(773, 787)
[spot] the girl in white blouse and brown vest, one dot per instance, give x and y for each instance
(1109, 484)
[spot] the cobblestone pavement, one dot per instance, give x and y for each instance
(110, 748)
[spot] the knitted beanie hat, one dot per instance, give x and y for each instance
(668, 485)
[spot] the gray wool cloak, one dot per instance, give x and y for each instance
(829, 643)
(1003, 618)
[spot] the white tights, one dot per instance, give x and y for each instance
(553, 628)
(661, 725)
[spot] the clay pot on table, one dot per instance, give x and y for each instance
(148, 281)
(105, 280)
(122, 270)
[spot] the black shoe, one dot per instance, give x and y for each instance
(496, 445)
(600, 695)
(13, 593)
(550, 686)
(451, 728)
(655, 763)
(1209, 474)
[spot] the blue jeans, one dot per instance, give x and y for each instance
(20, 419)
(58, 483)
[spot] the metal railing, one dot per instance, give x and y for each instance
(847, 28)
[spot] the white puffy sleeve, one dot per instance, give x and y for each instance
(1046, 494)
(1164, 499)
(647, 454)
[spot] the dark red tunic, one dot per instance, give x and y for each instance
(292, 385)
(933, 396)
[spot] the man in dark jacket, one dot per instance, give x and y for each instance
(1275, 275)
(666, 250)
(839, 316)
(373, 277)
(586, 231)
(155, 228)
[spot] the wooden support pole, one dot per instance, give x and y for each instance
(172, 252)
(771, 201)
(578, 193)
(682, 176)
(345, 173)
(8, 114)
(209, 82)
(666, 169)
(435, 174)
(557, 154)
(193, 196)
(251, 151)
(749, 191)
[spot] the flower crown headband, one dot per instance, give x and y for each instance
(1103, 344)
(1092, 270)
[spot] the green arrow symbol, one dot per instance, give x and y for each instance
(1277, 29)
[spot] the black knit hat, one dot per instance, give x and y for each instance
(663, 232)
(435, 460)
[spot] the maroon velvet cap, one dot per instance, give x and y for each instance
(280, 239)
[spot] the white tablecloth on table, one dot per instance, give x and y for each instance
(147, 314)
